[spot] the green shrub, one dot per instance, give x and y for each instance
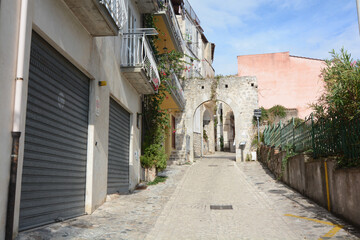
(341, 98)
(298, 121)
(157, 180)
(254, 142)
(278, 111)
(222, 143)
(154, 156)
(205, 136)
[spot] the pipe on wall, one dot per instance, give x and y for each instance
(16, 133)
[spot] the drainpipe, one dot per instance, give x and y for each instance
(19, 79)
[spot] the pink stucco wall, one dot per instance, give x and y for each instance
(291, 81)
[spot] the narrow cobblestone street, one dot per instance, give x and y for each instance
(254, 206)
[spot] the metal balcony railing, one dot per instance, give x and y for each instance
(136, 52)
(191, 12)
(167, 6)
(177, 90)
(117, 10)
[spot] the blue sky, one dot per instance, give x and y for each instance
(307, 28)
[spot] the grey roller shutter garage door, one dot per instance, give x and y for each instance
(54, 171)
(119, 140)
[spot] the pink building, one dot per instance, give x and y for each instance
(290, 81)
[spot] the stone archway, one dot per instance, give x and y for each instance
(239, 93)
(203, 130)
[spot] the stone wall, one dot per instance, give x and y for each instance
(240, 93)
(197, 144)
(307, 175)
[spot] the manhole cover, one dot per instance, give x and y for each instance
(221, 207)
(213, 165)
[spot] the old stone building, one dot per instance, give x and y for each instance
(238, 93)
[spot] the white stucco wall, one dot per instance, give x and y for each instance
(9, 10)
(99, 59)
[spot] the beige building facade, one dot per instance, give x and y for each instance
(80, 71)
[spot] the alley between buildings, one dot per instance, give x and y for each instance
(214, 198)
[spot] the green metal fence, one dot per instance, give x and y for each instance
(335, 137)
(326, 137)
(290, 135)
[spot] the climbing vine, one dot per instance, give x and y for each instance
(214, 86)
(156, 120)
(290, 152)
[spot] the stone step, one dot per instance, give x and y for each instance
(177, 157)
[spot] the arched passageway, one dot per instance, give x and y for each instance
(214, 128)
(238, 93)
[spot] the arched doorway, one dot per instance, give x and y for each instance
(239, 93)
(225, 128)
(213, 128)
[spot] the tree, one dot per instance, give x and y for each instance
(341, 98)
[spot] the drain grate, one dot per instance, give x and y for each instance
(221, 207)
(213, 165)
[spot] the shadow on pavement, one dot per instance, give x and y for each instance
(307, 204)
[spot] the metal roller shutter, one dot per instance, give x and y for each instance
(119, 140)
(54, 171)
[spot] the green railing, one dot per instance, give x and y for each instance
(335, 137)
(287, 134)
(290, 135)
(303, 135)
(325, 137)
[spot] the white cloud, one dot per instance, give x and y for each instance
(303, 27)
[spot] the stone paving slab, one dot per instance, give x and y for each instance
(260, 204)
(262, 208)
(123, 217)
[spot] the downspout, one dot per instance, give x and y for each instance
(16, 133)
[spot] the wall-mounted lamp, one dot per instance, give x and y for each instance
(102, 83)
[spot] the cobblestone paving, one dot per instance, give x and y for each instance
(124, 217)
(259, 206)
(262, 208)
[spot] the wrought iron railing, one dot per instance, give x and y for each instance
(191, 12)
(117, 10)
(175, 28)
(325, 137)
(136, 52)
(289, 135)
(177, 90)
(303, 135)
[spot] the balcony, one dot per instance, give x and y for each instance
(147, 6)
(138, 63)
(100, 17)
(177, 92)
(191, 12)
(168, 16)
